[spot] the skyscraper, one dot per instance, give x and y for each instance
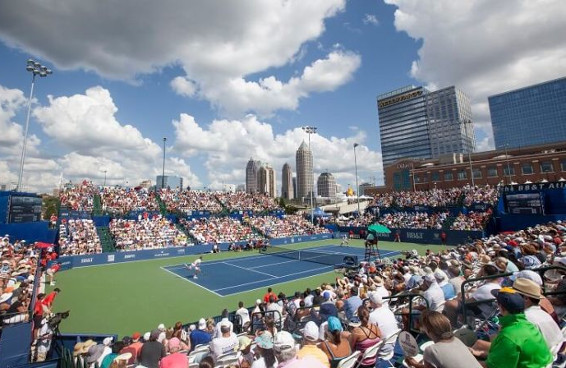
(326, 185)
(266, 180)
(528, 116)
(305, 178)
(287, 191)
(417, 123)
(251, 176)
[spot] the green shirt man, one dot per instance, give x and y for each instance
(519, 343)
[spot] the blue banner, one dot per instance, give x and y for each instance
(69, 262)
(421, 236)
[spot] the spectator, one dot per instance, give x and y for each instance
(519, 342)
(152, 351)
(286, 353)
(534, 314)
(244, 316)
(223, 321)
(175, 359)
(384, 318)
(246, 356)
(364, 335)
(134, 348)
(225, 343)
(264, 350)
(310, 348)
(336, 344)
(200, 336)
(447, 350)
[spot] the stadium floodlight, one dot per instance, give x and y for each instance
(35, 68)
(311, 130)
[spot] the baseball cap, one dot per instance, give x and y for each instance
(136, 335)
(201, 324)
(509, 299)
(283, 340)
(334, 324)
(375, 298)
(310, 331)
(529, 274)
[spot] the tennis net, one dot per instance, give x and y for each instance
(331, 259)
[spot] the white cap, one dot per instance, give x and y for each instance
(201, 324)
(375, 298)
(310, 331)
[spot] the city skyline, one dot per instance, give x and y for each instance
(223, 82)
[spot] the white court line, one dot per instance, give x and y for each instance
(280, 277)
(194, 283)
(275, 263)
(249, 269)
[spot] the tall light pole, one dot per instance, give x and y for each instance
(470, 149)
(34, 68)
(104, 171)
(311, 130)
(357, 187)
(508, 167)
(163, 172)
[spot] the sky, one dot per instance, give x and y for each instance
(226, 81)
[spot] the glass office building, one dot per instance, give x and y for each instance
(419, 124)
(403, 124)
(529, 116)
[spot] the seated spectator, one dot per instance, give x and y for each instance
(384, 318)
(365, 335)
(227, 342)
(264, 352)
(152, 351)
(310, 348)
(519, 342)
(286, 353)
(175, 359)
(336, 344)
(447, 350)
(200, 336)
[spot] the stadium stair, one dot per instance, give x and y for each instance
(97, 205)
(106, 240)
(162, 206)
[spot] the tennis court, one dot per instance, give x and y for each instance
(233, 276)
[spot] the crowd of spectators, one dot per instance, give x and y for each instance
(318, 327)
(219, 230)
(243, 201)
(187, 201)
(19, 262)
(471, 221)
(121, 201)
(148, 233)
(78, 236)
(466, 195)
(414, 220)
(290, 225)
(79, 197)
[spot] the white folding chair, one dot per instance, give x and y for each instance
(226, 359)
(387, 341)
(350, 361)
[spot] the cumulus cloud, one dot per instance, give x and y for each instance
(227, 146)
(217, 43)
(468, 44)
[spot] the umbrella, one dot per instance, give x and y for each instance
(42, 245)
(378, 228)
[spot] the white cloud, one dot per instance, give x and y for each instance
(86, 123)
(485, 47)
(227, 145)
(237, 95)
(184, 86)
(11, 100)
(370, 19)
(218, 44)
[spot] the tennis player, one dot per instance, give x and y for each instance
(195, 266)
(345, 240)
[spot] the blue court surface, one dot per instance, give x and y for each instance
(233, 276)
